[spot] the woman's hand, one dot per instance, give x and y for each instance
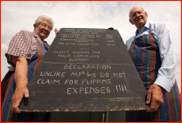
(21, 80)
(56, 31)
(18, 95)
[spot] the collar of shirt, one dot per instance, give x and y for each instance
(39, 40)
(144, 30)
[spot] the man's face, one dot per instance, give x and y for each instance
(43, 29)
(138, 17)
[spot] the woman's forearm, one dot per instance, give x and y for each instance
(21, 72)
(21, 83)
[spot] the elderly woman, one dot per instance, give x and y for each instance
(25, 52)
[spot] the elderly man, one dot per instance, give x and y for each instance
(152, 53)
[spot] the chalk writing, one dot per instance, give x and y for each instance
(96, 82)
(96, 31)
(51, 73)
(71, 82)
(47, 81)
(88, 66)
(121, 75)
(121, 88)
(77, 74)
(78, 59)
(88, 90)
(109, 36)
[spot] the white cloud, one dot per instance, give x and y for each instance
(4, 64)
(18, 15)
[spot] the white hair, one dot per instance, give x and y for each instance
(44, 18)
(133, 8)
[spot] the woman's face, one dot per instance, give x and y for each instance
(43, 29)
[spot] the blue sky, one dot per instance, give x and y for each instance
(21, 15)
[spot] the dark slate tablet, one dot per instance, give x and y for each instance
(86, 70)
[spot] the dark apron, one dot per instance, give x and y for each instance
(144, 52)
(8, 86)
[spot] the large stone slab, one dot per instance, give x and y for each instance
(86, 70)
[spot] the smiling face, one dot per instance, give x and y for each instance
(138, 17)
(43, 29)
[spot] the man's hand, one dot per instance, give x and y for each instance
(111, 28)
(155, 97)
(18, 95)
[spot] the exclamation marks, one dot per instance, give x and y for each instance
(121, 88)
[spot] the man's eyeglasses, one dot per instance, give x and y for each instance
(44, 25)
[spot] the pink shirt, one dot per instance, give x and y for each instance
(23, 44)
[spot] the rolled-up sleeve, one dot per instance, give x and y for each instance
(166, 73)
(19, 46)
